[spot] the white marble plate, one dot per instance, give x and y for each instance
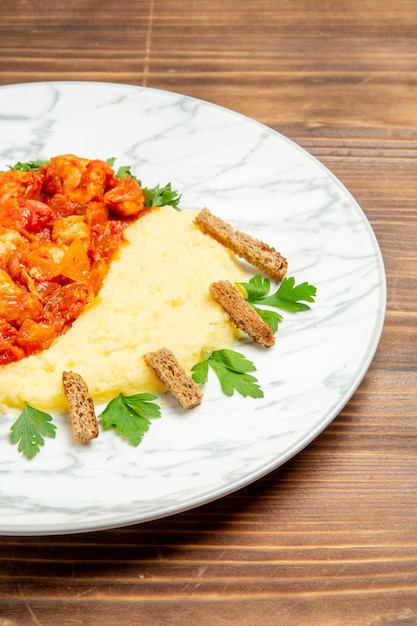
(264, 184)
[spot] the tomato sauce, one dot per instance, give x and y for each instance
(60, 227)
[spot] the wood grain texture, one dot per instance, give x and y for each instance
(331, 537)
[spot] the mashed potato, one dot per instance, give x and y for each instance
(155, 295)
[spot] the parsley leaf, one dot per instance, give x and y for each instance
(129, 415)
(161, 196)
(155, 196)
(271, 318)
(292, 297)
(124, 171)
(29, 165)
(232, 370)
(288, 297)
(28, 429)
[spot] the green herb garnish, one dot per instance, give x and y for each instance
(30, 428)
(232, 370)
(124, 171)
(155, 196)
(129, 415)
(28, 166)
(288, 297)
(161, 196)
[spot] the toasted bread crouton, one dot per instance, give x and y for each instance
(175, 378)
(255, 252)
(81, 407)
(241, 313)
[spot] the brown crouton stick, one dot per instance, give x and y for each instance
(81, 407)
(175, 378)
(255, 252)
(241, 313)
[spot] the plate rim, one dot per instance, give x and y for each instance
(307, 438)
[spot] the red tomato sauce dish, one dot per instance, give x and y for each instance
(60, 225)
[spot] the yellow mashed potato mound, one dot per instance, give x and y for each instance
(155, 295)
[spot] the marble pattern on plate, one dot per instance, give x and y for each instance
(264, 184)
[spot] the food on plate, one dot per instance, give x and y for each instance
(89, 293)
(241, 313)
(156, 293)
(29, 430)
(60, 226)
(81, 407)
(175, 378)
(233, 371)
(130, 416)
(257, 253)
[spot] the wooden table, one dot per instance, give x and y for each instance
(330, 537)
